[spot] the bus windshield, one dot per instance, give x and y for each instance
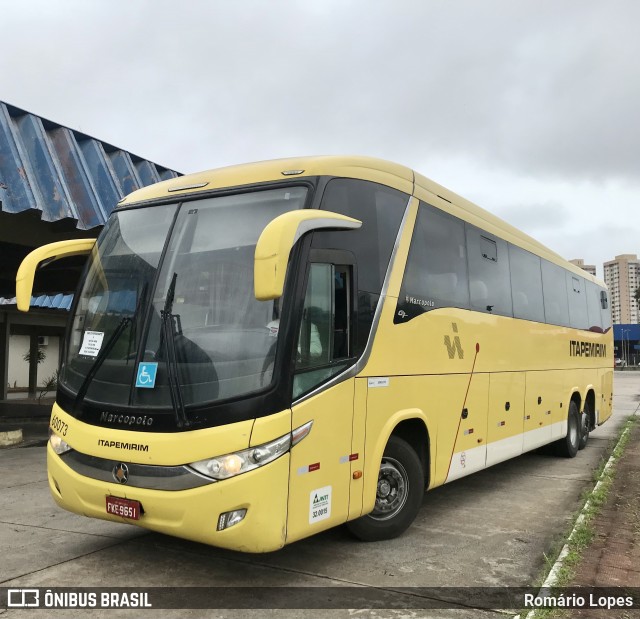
(168, 310)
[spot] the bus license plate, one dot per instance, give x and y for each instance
(125, 508)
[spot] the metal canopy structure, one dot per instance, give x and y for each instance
(55, 184)
(65, 175)
(59, 301)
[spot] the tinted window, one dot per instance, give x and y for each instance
(488, 272)
(436, 272)
(488, 249)
(380, 209)
(593, 306)
(577, 301)
(605, 311)
(315, 330)
(323, 340)
(554, 285)
(526, 284)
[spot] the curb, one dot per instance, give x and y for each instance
(551, 578)
(8, 438)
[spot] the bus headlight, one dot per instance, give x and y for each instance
(230, 465)
(58, 444)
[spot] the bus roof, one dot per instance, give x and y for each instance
(366, 168)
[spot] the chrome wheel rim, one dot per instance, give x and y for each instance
(392, 491)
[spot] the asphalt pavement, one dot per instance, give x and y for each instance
(491, 529)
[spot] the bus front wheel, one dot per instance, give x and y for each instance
(398, 495)
(568, 446)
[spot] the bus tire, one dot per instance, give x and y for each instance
(568, 446)
(399, 494)
(585, 426)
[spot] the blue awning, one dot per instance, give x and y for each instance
(626, 332)
(58, 301)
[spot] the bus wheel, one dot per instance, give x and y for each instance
(585, 424)
(568, 446)
(398, 497)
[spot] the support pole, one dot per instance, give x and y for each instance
(33, 365)
(5, 331)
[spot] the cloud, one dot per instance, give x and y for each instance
(538, 87)
(536, 217)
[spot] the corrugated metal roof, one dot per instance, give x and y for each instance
(63, 173)
(53, 301)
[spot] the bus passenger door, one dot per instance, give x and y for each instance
(320, 473)
(506, 416)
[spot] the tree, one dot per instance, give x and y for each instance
(40, 357)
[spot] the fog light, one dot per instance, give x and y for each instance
(228, 519)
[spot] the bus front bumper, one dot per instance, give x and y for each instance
(191, 514)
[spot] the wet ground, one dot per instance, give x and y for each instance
(491, 529)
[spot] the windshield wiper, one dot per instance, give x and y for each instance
(169, 332)
(106, 349)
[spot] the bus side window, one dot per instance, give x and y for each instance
(489, 284)
(526, 284)
(342, 312)
(436, 271)
(556, 302)
(578, 314)
(313, 339)
(380, 209)
(605, 311)
(593, 307)
(325, 338)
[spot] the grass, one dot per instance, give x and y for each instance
(584, 531)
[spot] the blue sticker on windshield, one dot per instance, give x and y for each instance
(147, 375)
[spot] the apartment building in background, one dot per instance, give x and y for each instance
(622, 276)
(589, 268)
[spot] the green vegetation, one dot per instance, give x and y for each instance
(584, 531)
(40, 357)
(48, 384)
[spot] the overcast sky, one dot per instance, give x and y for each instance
(529, 108)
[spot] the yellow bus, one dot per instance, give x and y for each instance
(262, 352)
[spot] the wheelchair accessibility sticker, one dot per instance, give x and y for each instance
(147, 375)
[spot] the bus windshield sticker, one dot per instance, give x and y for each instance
(146, 377)
(320, 504)
(91, 343)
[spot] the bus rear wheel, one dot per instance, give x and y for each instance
(569, 445)
(398, 496)
(585, 426)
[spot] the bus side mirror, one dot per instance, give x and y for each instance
(277, 240)
(49, 253)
